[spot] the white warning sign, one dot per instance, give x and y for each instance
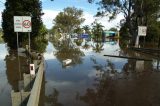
(142, 30)
(22, 24)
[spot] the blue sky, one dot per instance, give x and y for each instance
(61, 4)
(52, 8)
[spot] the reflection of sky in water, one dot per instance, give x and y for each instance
(76, 79)
(80, 77)
(3, 53)
(156, 64)
(5, 88)
(110, 48)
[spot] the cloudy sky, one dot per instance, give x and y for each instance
(52, 8)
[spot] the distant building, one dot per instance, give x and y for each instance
(109, 33)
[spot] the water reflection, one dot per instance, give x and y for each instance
(67, 50)
(14, 75)
(52, 99)
(98, 47)
(5, 87)
(99, 80)
(136, 85)
(71, 82)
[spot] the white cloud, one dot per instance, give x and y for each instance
(48, 17)
(89, 19)
(51, 14)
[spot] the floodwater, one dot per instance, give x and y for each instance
(10, 73)
(91, 79)
(5, 87)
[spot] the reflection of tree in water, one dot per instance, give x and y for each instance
(86, 46)
(12, 71)
(98, 47)
(140, 88)
(104, 93)
(66, 50)
(53, 98)
(125, 43)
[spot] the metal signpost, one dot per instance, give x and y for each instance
(22, 24)
(142, 31)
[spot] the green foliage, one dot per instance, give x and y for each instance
(87, 29)
(69, 19)
(78, 30)
(43, 30)
(124, 31)
(20, 8)
(113, 29)
(39, 45)
(78, 42)
(136, 12)
(153, 32)
(97, 30)
(1, 33)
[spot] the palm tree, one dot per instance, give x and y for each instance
(87, 29)
(97, 30)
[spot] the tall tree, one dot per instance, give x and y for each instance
(87, 29)
(136, 12)
(113, 29)
(20, 8)
(97, 30)
(69, 19)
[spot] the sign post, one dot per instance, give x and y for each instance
(22, 24)
(142, 31)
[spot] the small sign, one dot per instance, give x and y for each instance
(32, 69)
(142, 30)
(84, 36)
(22, 24)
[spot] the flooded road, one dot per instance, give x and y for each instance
(95, 80)
(10, 73)
(91, 79)
(5, 87)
